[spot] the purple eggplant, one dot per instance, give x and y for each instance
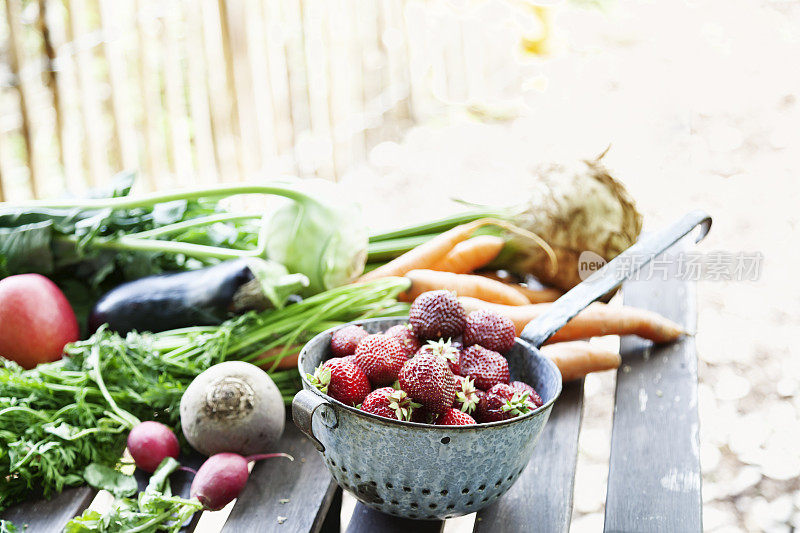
(203, 297)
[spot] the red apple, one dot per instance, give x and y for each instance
(36, 320)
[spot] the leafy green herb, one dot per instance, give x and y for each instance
(8, 527)
(155, 509)
(60, 417)
(103, 477)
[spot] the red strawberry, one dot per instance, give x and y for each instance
(381, 358)
(486, 367)
(345, 340)
(521, 386)
(428, 381)
(451, 351)
(454, 417)
(423, 416)
(403, 333)
(341, 380)
(437, 315)
(502, 402)
(389, 403)
(466, 395)
(490, 330)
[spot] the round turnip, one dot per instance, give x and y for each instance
(222, 477)
(36, 320)
(232, 407)
(150, 443)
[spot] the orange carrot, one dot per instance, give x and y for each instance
(472, 254)
(537, 296)
(288, 361)
(534, 296)
(427, 254)
(463, 285)
(577, 358)
(596, 320)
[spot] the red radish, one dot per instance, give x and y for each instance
(222, 477)
(36, 320)
(150, 443)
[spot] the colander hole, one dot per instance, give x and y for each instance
(395, 502)
(451, 506)
(432, 506)
(482, 487)
(373, 483)
(389, 486)
(333, 463)
(499, 482)
(445, 440)
(426, 491)
(470, 502)
(465, 490)
(414, 505)
(509, 477)
(358, 476)
(443, 493)
(406, 489)
(520, 470)
(486, 499)
(344, 469)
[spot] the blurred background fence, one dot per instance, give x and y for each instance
(200, 91)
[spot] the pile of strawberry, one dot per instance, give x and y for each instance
(459, 376)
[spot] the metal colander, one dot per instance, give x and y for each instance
(418, 470)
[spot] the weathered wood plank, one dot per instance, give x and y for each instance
(366, 520)
(49, 516)
(543, 493)
(654, 473)
(297, 493)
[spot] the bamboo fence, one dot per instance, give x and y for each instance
(202, 91)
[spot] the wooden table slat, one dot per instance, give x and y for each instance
(654, 479)
(543, 493)
(366, 520)
(50, 516)
(305, 486)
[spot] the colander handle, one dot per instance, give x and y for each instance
(611, 276)
(303, 406)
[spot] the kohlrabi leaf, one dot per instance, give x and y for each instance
(319, 235)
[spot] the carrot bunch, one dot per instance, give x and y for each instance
(448, 261)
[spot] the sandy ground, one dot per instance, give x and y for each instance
(701, 104)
